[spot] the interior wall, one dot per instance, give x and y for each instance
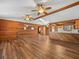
(77, 24)
(10, 29)
(43, 30)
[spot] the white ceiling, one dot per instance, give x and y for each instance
(16, 9)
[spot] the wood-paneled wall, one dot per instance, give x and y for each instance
(43, 30)
(10, 29)
(77, 24)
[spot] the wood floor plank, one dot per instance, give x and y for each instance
(40, 47)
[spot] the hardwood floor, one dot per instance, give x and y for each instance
(39, 47)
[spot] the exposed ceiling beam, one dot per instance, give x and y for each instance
(61, 9)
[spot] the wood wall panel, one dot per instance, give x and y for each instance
(43, 30)
(10, 29)
(77, 24)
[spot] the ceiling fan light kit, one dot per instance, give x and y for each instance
(28, 18)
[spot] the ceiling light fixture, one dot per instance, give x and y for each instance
(28, 17)
(41, 9)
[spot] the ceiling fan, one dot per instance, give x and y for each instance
(28, 17)
(41, 9)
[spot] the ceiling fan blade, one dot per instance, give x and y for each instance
(45, 13)
(34, 10)
(48, 8)
(38, 14)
